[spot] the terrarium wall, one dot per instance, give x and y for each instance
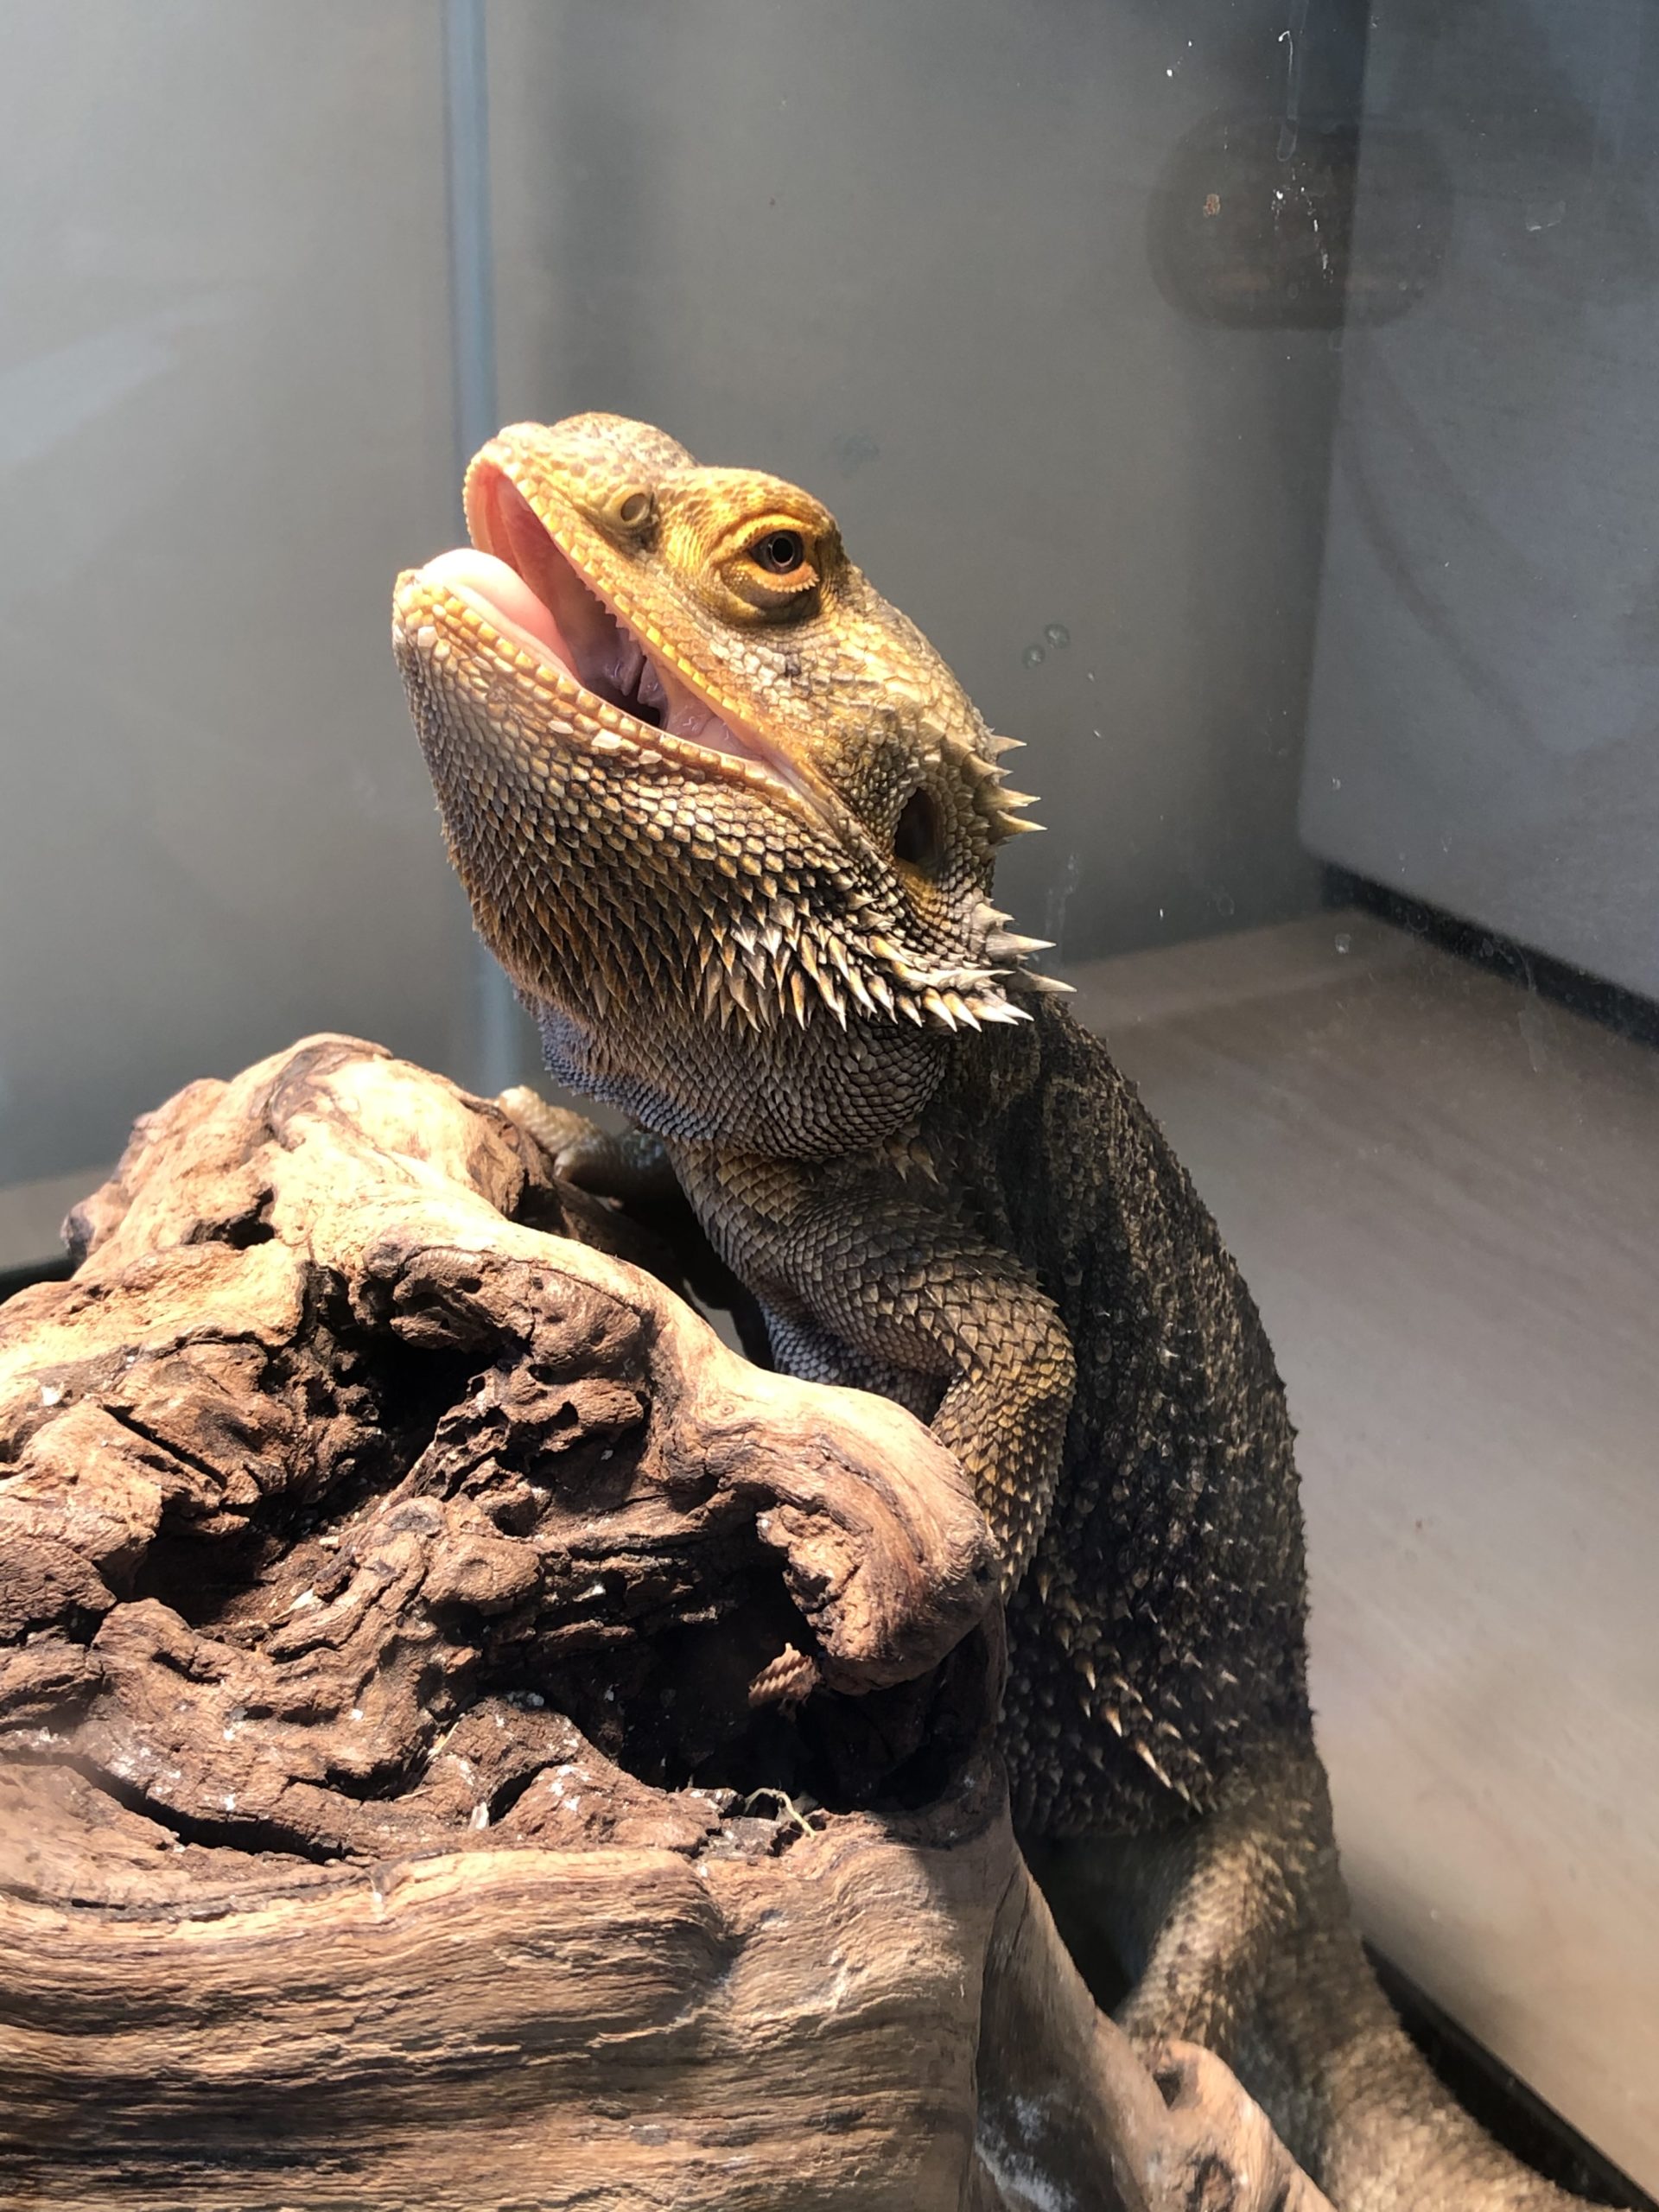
(920, 259)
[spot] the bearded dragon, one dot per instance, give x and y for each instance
(728, 823)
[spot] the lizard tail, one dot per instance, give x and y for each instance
(1237, 1931)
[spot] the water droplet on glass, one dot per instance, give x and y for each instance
(1223, 902)
(1058, 634)
(1032, 655)
(1344, 943)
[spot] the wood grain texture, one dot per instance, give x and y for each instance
(470, 1741)
(1444, 1192)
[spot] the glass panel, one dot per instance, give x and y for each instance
(226, 422)
(1253, 400)
(1084, 319)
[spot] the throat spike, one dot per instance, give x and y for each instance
(1008, 944)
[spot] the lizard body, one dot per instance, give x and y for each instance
(729, 823)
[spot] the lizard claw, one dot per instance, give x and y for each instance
(628, 1166)
(785, 1680)
(564, 1136)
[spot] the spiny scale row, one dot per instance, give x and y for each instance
(785, 964)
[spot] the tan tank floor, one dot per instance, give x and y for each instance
(1445, 1194)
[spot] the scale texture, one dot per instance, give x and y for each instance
(729, 823)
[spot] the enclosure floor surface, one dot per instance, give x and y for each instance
(1444, 1192)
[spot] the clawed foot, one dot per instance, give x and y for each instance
(630, 1166)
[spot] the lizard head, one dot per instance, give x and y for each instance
(701, 781)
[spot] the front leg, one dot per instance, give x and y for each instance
(801, 1346)
(845, 1254)
(628, 1164)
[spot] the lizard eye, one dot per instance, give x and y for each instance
(918, 836)
(775, 566)
(780, 551)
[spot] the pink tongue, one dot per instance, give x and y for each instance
(502, 594)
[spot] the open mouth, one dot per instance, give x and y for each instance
(520, 580)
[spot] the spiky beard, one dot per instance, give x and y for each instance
(738, 908)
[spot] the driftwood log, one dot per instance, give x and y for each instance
(470, 1739)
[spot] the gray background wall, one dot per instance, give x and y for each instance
(1485, 722)
(899, 253)
(226, 420)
